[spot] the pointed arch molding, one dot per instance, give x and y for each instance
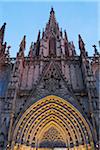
(52, 112)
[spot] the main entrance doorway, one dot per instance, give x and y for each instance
(52, 123)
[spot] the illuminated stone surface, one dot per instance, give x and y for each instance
(49, 99)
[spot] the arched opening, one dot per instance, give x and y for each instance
(52, 122)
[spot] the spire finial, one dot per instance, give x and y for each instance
(52, 16)
(95, 49)
(8, 47)
(52, 10)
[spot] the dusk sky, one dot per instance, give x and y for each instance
(27, 17)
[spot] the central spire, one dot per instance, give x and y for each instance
(52, 25)
(52, 19)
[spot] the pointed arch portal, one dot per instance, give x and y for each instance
(52, 122)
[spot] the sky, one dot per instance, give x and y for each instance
(27, 17)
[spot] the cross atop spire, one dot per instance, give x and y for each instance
(52, 10)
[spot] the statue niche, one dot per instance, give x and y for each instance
(52, 46)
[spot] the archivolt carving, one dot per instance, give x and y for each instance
(52, 114)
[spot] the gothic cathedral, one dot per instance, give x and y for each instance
(50, 98)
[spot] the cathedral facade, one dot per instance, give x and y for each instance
(49, 99)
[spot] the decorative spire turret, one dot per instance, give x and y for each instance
(31, 51)
(66, 43)
(38, 38)
(22, 46)
(43, 34)
(82, 46)
(61, 34)
(81, 43)
(73, 49)
(2, 30)
(65, 36)
(2, 44)
(38, 44)
(20, 54)
(23, 43)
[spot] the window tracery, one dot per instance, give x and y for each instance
(52, 138)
